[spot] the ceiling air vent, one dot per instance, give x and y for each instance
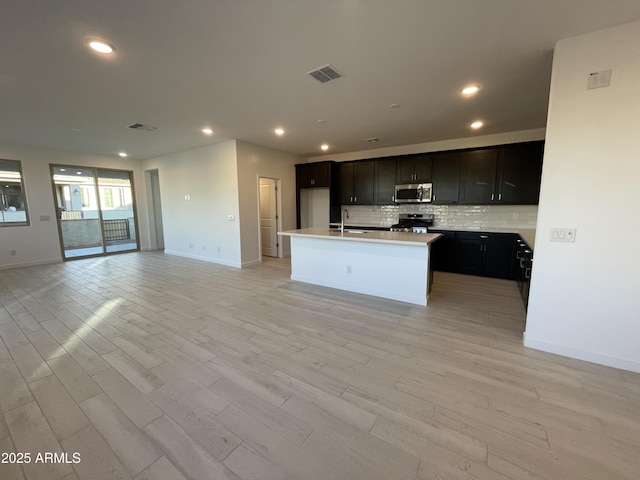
(325, 74)
(142, 126)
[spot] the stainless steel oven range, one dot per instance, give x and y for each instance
(413, 222)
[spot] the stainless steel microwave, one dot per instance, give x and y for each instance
(414, 193)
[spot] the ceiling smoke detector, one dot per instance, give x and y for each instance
(325, 74)
(144, 127)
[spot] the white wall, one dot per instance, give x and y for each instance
(585, 300)
(315, 204)
(454, 144)
(255, 162)
(39, 242)
(199, 227)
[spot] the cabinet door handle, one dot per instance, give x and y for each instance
(481, 247)
(492, 197)
(434, 197)
(484, 236)
(527, 273)
(393, 198)
(350, 199)
(355, 199)
(499, 196)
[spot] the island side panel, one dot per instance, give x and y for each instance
(397, 272)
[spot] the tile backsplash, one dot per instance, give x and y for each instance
(447, 216)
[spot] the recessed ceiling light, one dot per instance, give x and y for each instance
(76, 130)
(123, 154)
(207, 131)
(279, 131)
(101, 46)
(324, 146)
(470, 90)
(321, 121)
(394, 105)
(477, 124)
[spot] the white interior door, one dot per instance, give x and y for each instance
(268, 217)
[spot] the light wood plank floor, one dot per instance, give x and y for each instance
(151, 366)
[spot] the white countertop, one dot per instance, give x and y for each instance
(369, 236)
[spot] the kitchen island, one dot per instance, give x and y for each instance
(392, 265)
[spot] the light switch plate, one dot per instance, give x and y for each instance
(567, 235)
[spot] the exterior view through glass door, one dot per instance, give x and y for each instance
(96, 213)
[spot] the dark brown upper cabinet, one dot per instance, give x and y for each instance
(478, 177)
(313, 175)
(384, 188)
(507, 175)
(355, 182)
(519, 173)
(414, 168)
(446, 177)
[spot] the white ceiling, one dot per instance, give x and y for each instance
(239, 66)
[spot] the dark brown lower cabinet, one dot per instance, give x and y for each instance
(443, 251)
(474, 253)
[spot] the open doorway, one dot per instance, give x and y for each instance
(269, 217)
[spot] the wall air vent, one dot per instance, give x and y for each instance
(325, 74)
(143, 127)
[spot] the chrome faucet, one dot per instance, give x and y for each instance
(342, 222)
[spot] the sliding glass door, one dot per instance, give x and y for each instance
(96, 213)
(116, 209)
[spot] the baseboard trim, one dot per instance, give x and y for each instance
(580, 354)
(31, 264)
(251, 262)
(203, 259)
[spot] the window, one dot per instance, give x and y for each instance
(13, 201)
(112, 197)
(86, 194)
(108, 198)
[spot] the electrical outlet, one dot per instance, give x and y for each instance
(567, 235)
(349, 269)
(218, 249)
(13, 253)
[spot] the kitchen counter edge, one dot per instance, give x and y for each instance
(371, 236)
